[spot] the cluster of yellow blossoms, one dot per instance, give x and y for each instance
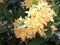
(26, 3)
(38, 16)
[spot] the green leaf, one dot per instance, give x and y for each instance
(34, 2)
(3, 28)
(49, 24)
(1, 18)
(38, 40)
(22, 23)
(57, 24)
(35, 42)
(57, 20)
(56, 8)
(21, 12)
(48, 33)
(10, 1)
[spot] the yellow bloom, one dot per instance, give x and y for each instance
(26, 3)
(40, 15)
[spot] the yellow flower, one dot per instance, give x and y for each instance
(40, 15)
(42, 32)
(26, 3)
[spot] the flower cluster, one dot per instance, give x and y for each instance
(38, 16)
(26, 3)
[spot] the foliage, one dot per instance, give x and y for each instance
(11, 10)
